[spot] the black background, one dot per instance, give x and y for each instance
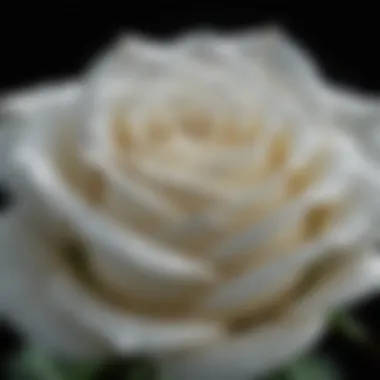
(58, 39)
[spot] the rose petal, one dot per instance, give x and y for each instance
(286, 60)
(55, 311)
(25, 102)
(27, 269)
(270, 346)
(358, 114)
(269, 272)
(129, 333)
(40, 177)
(250, 355)
(360, 278)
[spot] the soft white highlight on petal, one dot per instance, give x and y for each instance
(27, 101)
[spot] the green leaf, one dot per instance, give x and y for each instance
(80, 371)
(142, 371)
(33, 364)
(348, 326)
(314, 368)
(309, 368)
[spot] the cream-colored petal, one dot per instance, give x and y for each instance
(271, 276)
(267, 347)
(124, 246)
(27, 269)
(40, 176)
(246, 357)
(130, 333)
(19, 107)
(358, 114)
(26, 101)
(37, 293)
(358, 278)
(293, 66)
(285, 59)
(45, 193)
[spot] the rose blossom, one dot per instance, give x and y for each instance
(206, 201)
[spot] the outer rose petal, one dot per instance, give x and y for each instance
(359, 114)
(17, 107)
(132, 334)
(287, 60)
(293, 65)
(56, 312)
(26, 101)
(248, 356)
(39, 178)
(24, 294)
(65, 306)
(361, 278)
(268, 347)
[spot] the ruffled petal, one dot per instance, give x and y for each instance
(286, 60)
(358, 114)
(27, 268)
(243, 358)
(358, 278)
(40, 179)
(25, 102)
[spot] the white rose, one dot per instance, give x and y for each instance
(205, 201)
